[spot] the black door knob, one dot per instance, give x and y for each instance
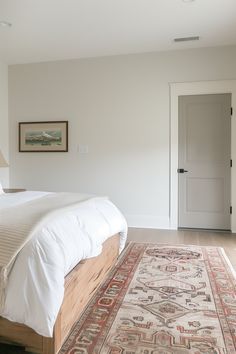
(181, 170)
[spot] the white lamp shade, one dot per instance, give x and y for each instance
(3, 162)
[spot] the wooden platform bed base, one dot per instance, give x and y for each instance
(80, 284)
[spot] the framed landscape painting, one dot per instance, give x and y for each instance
(43, 136)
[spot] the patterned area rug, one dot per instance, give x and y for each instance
(161, 299)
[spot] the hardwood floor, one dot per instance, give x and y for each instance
(187, 237)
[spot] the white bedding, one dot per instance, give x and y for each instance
(35, 288)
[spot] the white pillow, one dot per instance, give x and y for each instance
(1, 189)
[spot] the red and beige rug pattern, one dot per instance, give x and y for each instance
(161, 299)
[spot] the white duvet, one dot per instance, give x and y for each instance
(35, 288)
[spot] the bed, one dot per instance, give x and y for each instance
(22, 318)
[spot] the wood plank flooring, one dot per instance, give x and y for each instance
(187, 237)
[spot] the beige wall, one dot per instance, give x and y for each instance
(4, 147)
(119, 107)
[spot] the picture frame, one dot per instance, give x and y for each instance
(43, 136)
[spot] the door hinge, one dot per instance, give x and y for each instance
(231, 111)
(231, 163)
(231, 209)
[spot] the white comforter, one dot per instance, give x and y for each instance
(36, 283)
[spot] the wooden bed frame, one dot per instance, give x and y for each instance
(80, 284)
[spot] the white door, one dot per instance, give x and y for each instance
(204, 161)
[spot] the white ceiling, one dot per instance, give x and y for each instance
(44, 30)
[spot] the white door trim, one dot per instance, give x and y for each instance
(198, 88)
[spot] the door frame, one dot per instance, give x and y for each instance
(198, 88)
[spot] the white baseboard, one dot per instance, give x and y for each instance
(148, 221)
(152, 222)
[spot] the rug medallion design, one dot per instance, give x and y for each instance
(161, 300)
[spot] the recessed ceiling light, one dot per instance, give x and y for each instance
(188, 0)
(5, 24)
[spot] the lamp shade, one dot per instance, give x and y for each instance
(3, 162)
